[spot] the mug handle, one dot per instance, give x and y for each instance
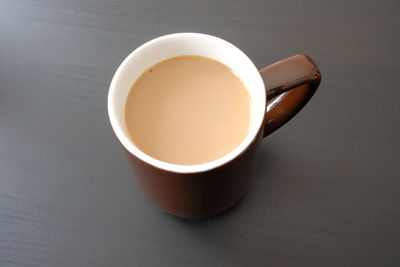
(289, 84)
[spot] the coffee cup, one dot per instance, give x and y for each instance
(278, 92)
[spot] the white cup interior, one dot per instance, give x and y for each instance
(180, 44)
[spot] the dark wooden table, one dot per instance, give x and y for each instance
(327, 187)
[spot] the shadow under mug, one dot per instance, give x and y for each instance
(278, 92)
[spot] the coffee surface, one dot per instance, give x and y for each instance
(188, 110)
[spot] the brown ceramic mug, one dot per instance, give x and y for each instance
(277, 92)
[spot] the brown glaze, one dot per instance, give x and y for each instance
(202, 194)
(198, 195)
(296, 79)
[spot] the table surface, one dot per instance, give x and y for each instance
(327, 187)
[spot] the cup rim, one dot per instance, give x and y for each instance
(172, 167)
